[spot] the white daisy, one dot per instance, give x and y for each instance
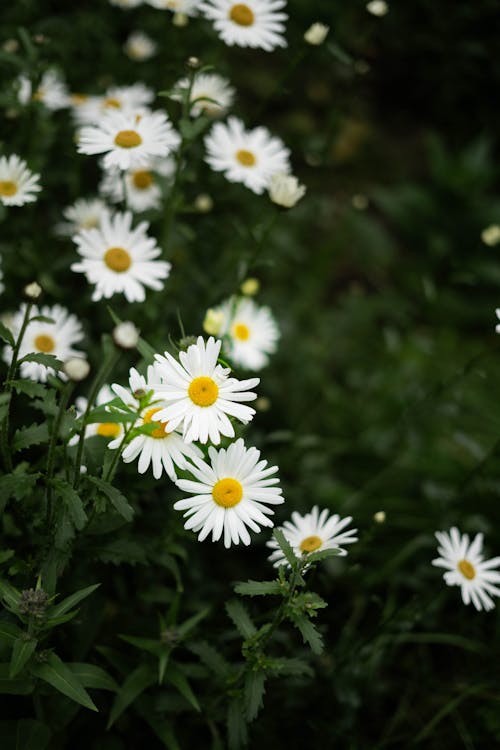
(139, 46)
(129, 140)
(254, 23)
(247, 156)
(251, 330)
(129, 100)
(51, 92)
(143, 192)
(82, 214)
(120, 259)
(467, 568)
(200, 393)
(229, 494)
(57, 338)
(18, 184)
(313, 532)
(211, 94)
(162, 448)
(126, 3)
(181, 7)
(110, 430)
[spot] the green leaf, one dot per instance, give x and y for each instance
(92, 676)
(117, 500)
(322, 554)
(60, 676)
(284, 666)
(30, 388)
(102, 415)
(309, 633)
(17, 486)
(212, 659)
(178, 680)
(4, 405)
(259, 588)
(146, 350)
(23, 650)
(42, 319)
(43, 359)
(33, 435)
(188, 625)
(151, 645)
(136, 683)
(32, 735)
(71, 601)
(236, 725)
(9, 632)
(6, 335)
(285, 547)
(254, 693)
(10, 595)
(241, 618)
(72, 501)
(13, 687)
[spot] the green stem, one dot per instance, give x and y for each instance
(112, 468)
(67, 391)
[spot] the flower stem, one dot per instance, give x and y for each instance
(63, 403)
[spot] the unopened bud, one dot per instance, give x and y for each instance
(491, 235)
(126, 335)
(250, 287)
(33, 291)
(76, 368)
(193, 63)
(379, 516)
(263, 404)
(316, 34)
(203, 203)
(377, 8)
(213, 322)
(180, 19)
(186, 342)
(33, 602)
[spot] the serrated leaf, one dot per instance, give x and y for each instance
(309, 633)
(136, 683)
(212, 659)
(33, 435)
(285, 547)
(23, 650)
(43, 359)
(117, 500)
(322, 554)
(73, 502)
(254, 693)
(17, 486)
(9, 632)
(259, 588)
(60, 676)
(178, 680)
(71, 601)
(236, 725)
(30, 388)
(6, 335)
(290, 666)
(101, 415)
(241, 618)
(92, 676)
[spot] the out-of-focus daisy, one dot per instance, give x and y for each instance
(465, 567)
(129, 140)
(142, 190)
(129, 100)
(51, 92)
(139, 46)
(254, 23)
(285, 190)
(229, 494)
(82, 214)
(491, 235)
(112, 431)
(179, 7)
(57, 338)
(211, 94)
(200, 393)
(120, 259)
(2, 285)
(126, 3)
(247, 156)
(162, 448)
(18, 184)
(251, 330)
(313, 532)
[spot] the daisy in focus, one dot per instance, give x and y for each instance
(51, 92)
(40, 337)
(139, 46)
(129, 140)
(129, 100)
(465, 567)
(120, 259)
(18, 184)
(142, 190)
(313, 532)
(82, 214)
(200, 394)
(251, 331)
(247, 156)
(229, 494)
(211, 94)
(255, 23)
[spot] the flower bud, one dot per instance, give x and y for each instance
(193, 63)
(126, 335)
(377, 8)
(33, 602)
(180, 19)
(33, 291)
(76, 368)
(285, 190)
(316, 34)
(213, 322)
(203, 203)
(379, 516)
(491, 235)
(250, 287)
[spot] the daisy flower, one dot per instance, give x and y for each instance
(139, 46)
(82, 214)
(18, 184)
(120, 259)
(181, 7)
(211, 94)
(129, 140)
(126, 3)
(251, 330)
(200, 393)
(465, 567)
(110, 430)
(162, 448)
(141, 184)
(254, 23)
(130, 100)
(57, 338)
(51, 92)
(313, 532)
(229, 494)
(247, 156)
(285, 190)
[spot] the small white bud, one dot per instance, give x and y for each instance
(203, 203)
(213, 322)
(285, 190)
(377, 8)
(263, 403)
(76, 368)
(33, 291)
(491, 235)
(126, 335)
(316, 34)
(250, 287)
(379, 516)
(139, 46)
(180, 19)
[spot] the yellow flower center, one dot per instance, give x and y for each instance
(161, 431)
(112, 102)
(246, 158)
(8, 188)
(227, 492)
(241, 332)
(45, 343)
(108, 429)
(203, 391)
(38, 95)
(142, 179)
(242, 14)
(467, 569)
(128, 139)
(77, 99)
(118, 259)
(310, 543)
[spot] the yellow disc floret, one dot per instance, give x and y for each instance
(246, 158)
(227, 492)
(108, 429)
(311, 543)
(117, 259)
(203, 391)
(128, 139)
(8, 188)
(142, 179)
(241, 331)
(45, 343)
(467, 569)
(112, 102)
(242, 15)
(161, 431)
